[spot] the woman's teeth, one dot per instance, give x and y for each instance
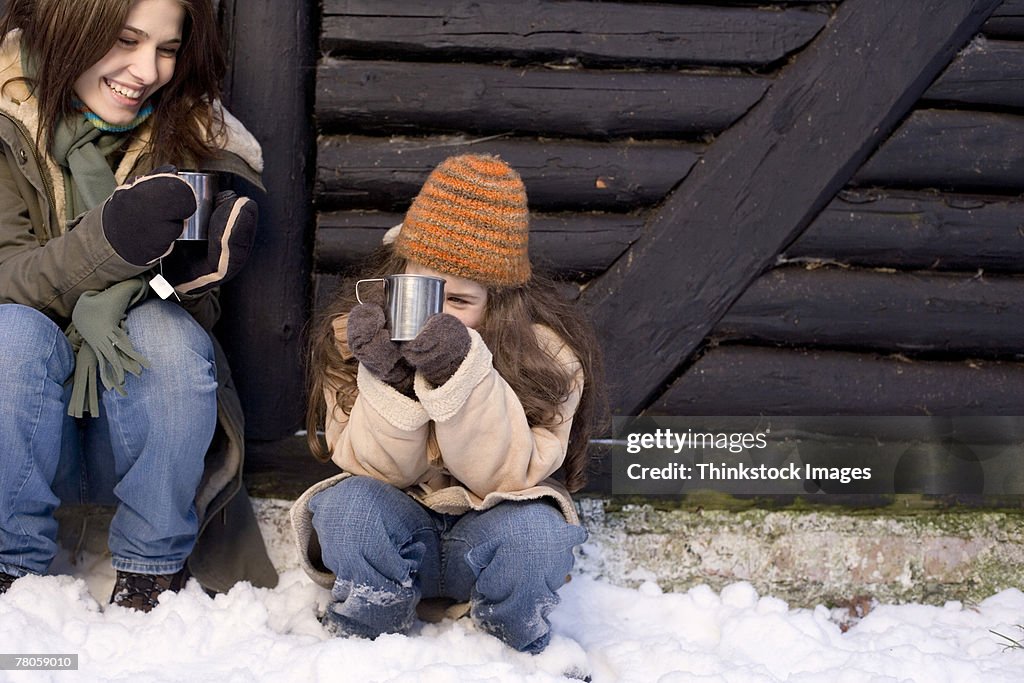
(123, 91)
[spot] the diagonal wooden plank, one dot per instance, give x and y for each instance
(763, 181)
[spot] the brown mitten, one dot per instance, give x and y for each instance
(370, 342)
(439, 349)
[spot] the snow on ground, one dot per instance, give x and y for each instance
(631, 635)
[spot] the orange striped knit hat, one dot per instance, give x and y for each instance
(470, 219)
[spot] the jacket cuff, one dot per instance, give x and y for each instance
(397, 409)
(99, 252)
(444, 402)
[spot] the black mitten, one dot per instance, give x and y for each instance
(370, 342)
(439, 349)
(143, 217)
(231, 235)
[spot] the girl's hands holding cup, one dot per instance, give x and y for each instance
(370, 342)
(439, 349)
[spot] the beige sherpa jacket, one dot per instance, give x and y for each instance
(465, 445)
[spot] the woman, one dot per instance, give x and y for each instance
(99, 99)
(449, 442)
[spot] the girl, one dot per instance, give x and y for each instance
(93, 92)
(448, 442)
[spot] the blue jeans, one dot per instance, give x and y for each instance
(144, 453)
(388, 551)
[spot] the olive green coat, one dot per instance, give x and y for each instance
(47, 263)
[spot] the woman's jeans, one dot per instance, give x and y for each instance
(144, 452)
(388, 551)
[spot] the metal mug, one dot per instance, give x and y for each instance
(204, 185)
(409, 301)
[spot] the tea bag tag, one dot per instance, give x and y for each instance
(162, 287)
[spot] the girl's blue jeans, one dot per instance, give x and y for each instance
(144, 453)
(388, 551)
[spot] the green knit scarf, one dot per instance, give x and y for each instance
(84, 151)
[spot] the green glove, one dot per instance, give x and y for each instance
(97, 332)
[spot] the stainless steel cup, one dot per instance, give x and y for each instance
(409, 301)
(204, 185)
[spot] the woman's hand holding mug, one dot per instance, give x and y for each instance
(232, 231)
(143, 217)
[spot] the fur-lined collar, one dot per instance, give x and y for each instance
(18, 103)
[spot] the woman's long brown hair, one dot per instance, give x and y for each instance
(540, 382)
(63, 38)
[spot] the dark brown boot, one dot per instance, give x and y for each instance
(5, 582)
(142, 591)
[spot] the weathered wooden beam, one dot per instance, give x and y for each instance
(345, 238)
(763, 180)
(870, 309)
(1007, 21)
(386, 173)
(266, 306)
(572, 245)
(915, 231)
(590, 32)
(986, 73)
(736, 380)
(960, 151)
(409, 97)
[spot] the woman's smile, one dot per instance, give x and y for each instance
(124, 94)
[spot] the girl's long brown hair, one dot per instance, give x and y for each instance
(538, 380)
(63, 38)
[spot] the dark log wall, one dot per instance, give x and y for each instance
(845, 100)
(836, 181)
(601, 123)
(772, 207)
(902, 295)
